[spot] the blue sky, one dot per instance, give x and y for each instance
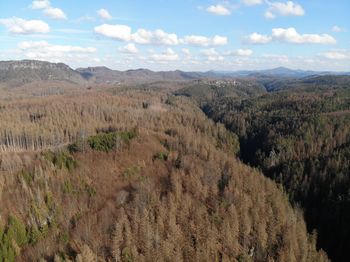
(190, 35)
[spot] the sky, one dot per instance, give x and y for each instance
(189, 35)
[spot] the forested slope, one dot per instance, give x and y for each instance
(136, 176)
(204, 91)
(301, 139)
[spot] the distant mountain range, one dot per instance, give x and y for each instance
(104, 75)
(15, 73)
(277, 72)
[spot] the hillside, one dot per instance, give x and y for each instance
(25, 72)
(135, 176)
(204, 91)
(300, 138)
(309, 83)
(104, 75)
(16, 73)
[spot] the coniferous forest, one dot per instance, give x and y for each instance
(195, 170)
(174, 131)
(300, 138)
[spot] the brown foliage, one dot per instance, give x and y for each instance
(197, 204)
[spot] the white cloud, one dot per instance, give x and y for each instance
(83, 19)
(46, 51)
(186, 51)
(212, 55)
(129, 49)
(309, 60)
(157, 37)
(141, 36)
(119, 32)
(290, 35)
(340, 54)
(240, 52)
(197, 40)
(256, 38)
(288, 8)
(337, 29)
(168, 55)
(72, 31)
(269, 15)
(219, 40)
(252, 2)
(40, 4)
(104, 14)
(218, 10)
(44, 46)
(48, 10)
(55, 13)
(20, 26)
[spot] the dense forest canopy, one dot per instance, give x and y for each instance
(301, 139)
(136, 175)
(171, 131)
(204, 169)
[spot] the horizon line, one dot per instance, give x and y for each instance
(205, 71)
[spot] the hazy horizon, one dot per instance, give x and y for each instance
(178, 69)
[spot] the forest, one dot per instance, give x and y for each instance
(136, 175)
(209, 169)
(300, 137)
(174, 131)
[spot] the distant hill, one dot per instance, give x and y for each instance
(204, 91)
(24, 72)
(309, 82)
(104, 75)
(275, 72)
(340, 80)
(285, 72)
(15, 73)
